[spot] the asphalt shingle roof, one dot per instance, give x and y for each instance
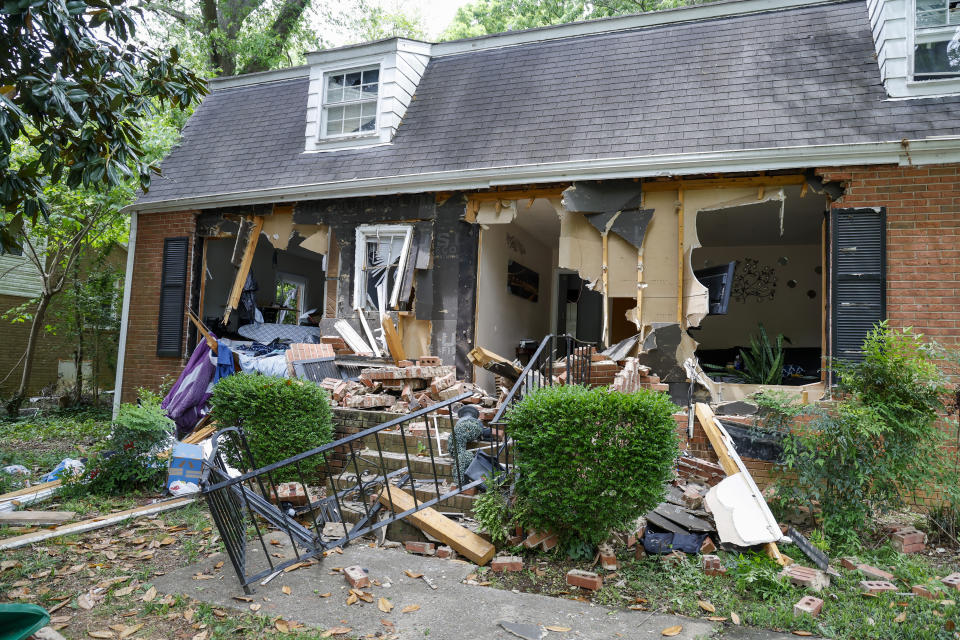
(787, 78)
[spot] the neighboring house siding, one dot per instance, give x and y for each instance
(142, 366)
(18, 277)
(923, 241)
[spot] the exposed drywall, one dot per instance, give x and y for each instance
(278, 228)
(581, 249)
(415, 336)
(791, 312)
(502, 317)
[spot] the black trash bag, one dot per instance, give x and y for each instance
(664, 543)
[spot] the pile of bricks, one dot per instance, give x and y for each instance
(908, 540)
(339, 345)
(626, 375)
(633, 376)
(405, 388)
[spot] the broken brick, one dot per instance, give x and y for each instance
(923, 591)
(608, 559)
(952, 581)
(875, 573)
(506, 563)
(808, 605)
(909, 540)
(445, 552)
(357, 577)
(292, 493)
(876, 586)
(403, 364)
(422, 548)
(712, 565)
(849, 563)
(550, 542)
(806, 577)
(584, 579)
(429, 361)
(535, 538)
(708, 546)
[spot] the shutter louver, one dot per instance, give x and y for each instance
(858, 296)
(173, 289)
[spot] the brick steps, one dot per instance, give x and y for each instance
(461, 503)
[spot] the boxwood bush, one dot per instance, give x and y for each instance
(280, 417)
(591, 460)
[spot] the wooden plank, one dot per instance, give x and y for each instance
(429, 520)
(94, 523)
(723, 183)
(36, 518)
(394, 344)
(604, 274)
(244, 268)
(29, 490)
(680, 516)
(730, 467)
(484, 358)
(211, 341)
(680, 257)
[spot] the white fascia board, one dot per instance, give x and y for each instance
(125, 313)
(262, 77)
(917, 152)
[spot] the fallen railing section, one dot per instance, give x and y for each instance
(247, 506)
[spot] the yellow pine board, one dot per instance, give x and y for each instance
(429, 520)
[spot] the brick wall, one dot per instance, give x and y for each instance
(142, 366)
(347, 422)
(923, 240)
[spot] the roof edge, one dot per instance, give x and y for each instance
(679, 15)
(912, 152)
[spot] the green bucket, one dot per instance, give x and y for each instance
(19, 621)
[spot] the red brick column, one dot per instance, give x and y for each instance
(142, 367)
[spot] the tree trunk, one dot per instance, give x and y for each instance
(13, 406)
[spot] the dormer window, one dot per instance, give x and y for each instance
(350, 102)
(936, 45)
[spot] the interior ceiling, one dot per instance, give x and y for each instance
(759, 224)
(539, 220)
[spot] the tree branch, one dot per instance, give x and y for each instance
(180, 16)
(283, 25)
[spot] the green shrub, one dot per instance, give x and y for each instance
(129, 460)
(492, 512)
(876, 446)
(591, 460)
(280, 417)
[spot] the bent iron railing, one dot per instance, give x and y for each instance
(542, 369)
(244, 505)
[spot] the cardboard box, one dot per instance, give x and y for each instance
(186, 461)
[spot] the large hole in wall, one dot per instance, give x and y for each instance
(777, 281)
(517, 281)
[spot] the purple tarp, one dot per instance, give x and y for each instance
(188, 396)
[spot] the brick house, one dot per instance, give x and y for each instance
(686, 175)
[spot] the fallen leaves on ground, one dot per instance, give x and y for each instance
(901, 617)
(556, 628)
(326, 595)
(706, 606)
(286, 589)
(734, 617)
(672, 631)
(281, 625)
(100, 634)
(384, 605)
(129, 631)
(410, 608)
(411, 574)
(149, 595)
(255, 607)
(336, 631)
(85, 602)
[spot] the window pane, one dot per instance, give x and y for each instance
(370, 90)
(351, 125)
(334, 95)
(371, 75)
(352, 111)
(334, 113)
(334, 127)
(353, 79)
(938, 58)
(369, 124)
(334, 82)
(369, 109)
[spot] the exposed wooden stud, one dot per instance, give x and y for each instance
(394, 344)
(760, 192)
(803, 189)
(244, 268)
(680, 256)
(605, 278)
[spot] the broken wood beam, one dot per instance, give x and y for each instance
(244, 269)
(486, 359)
(431, 521)
(36, 518)
(394, 344)
(94, 523)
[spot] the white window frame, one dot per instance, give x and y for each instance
(322, 134)
(359, 282)
(915, 80)
(297, 281)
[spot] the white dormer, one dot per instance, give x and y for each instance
(359, 94)
(918, 46)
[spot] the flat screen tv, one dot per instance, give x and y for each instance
(718, 281)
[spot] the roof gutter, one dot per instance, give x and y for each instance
(902, 152)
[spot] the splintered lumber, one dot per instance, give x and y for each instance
(730, 466)
(36, 518)
(19, 493)
(29, 495)
(201, 434)
(431, 521)
(394, 345)
(490, 361)
(351, 337)
(95, 523)
(244, 268)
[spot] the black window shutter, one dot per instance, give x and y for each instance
(173, 291)
(858, 291)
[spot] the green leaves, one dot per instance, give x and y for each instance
(78, 92)
(591, 460)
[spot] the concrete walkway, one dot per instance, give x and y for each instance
(453, 611)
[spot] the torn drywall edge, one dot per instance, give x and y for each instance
(581, 249)
(278, 228)
(316, 237)
(496, 212)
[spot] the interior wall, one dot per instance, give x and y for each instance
(221, 273)
(791, 311)
(503, 319)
